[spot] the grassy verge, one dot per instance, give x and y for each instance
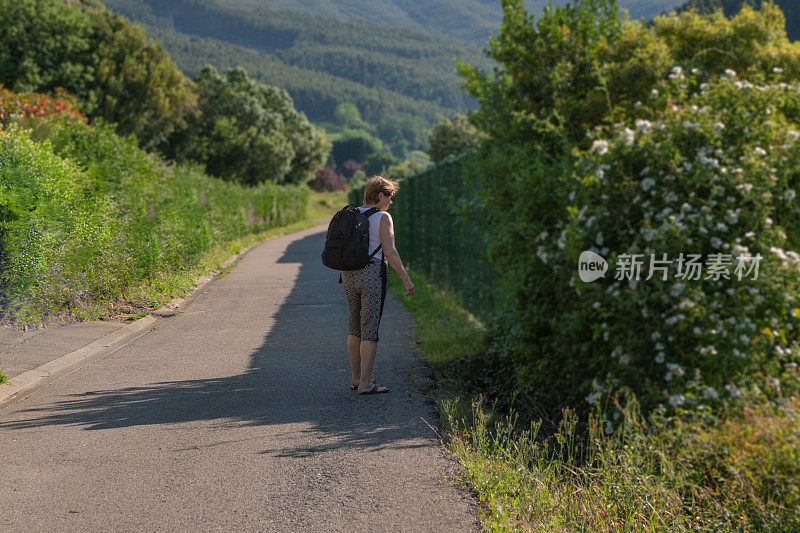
(92, 226)
(678, 474)
(147, 297)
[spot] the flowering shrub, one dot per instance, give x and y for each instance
(715, 177)
(629, 141)
(15, 106)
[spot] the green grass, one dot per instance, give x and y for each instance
(92, 226)
(740, 473)
(3, 377)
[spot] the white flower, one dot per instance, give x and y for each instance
(793, 135)
(730, 73)
(542, 254)
(777, 70)
(647, 183)
(659, 357)
(719, 125)
(676, 400)
(710, 393)
(629, 135)
(760, 151)
(675, 369)
(609, 427)
(624, 359)
(654, 93)
(593, 397)
(789, 195)
(600, 146)
(676, 74)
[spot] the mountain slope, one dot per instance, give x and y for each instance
(468, 20)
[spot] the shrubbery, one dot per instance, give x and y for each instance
(91, 217)
(611, 136)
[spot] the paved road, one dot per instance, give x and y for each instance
(235, 414)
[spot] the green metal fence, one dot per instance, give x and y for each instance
(434, 238)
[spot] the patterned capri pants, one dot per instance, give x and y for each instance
(365, 291)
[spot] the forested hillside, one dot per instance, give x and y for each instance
(402, 82)
(469, 20)
(790, 8)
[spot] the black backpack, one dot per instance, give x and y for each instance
(347, 242)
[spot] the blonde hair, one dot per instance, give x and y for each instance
(378, 184)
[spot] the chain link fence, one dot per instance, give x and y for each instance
(435, 239)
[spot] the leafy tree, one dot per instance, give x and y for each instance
(355, 145)
(249, 132)
(378, 163)
(136, 85)
(99, 57)
(790, 8)
(348, 116)
(452, 137)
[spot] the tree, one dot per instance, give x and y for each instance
(379, 162)
(249, 132)
(348, 116)
(136, 84)
(356, 145)
(103, 59)
(452, 137)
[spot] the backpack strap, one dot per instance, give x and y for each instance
(368, 213)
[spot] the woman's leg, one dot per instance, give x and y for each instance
(367, 352)
(354, 351)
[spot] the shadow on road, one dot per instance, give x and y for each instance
(299, 375)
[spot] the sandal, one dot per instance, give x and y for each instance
(375, 390)
(355, 387)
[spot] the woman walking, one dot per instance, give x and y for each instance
(365, 289)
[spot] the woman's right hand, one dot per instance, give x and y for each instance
(409, 285)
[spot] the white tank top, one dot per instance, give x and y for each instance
(374, 230)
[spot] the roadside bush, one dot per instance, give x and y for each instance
(20, 107)
(696, 184)
(89, 218)
(599, 139)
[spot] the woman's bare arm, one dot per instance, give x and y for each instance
(386, 232)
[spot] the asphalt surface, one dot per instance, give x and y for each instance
(236, 414)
